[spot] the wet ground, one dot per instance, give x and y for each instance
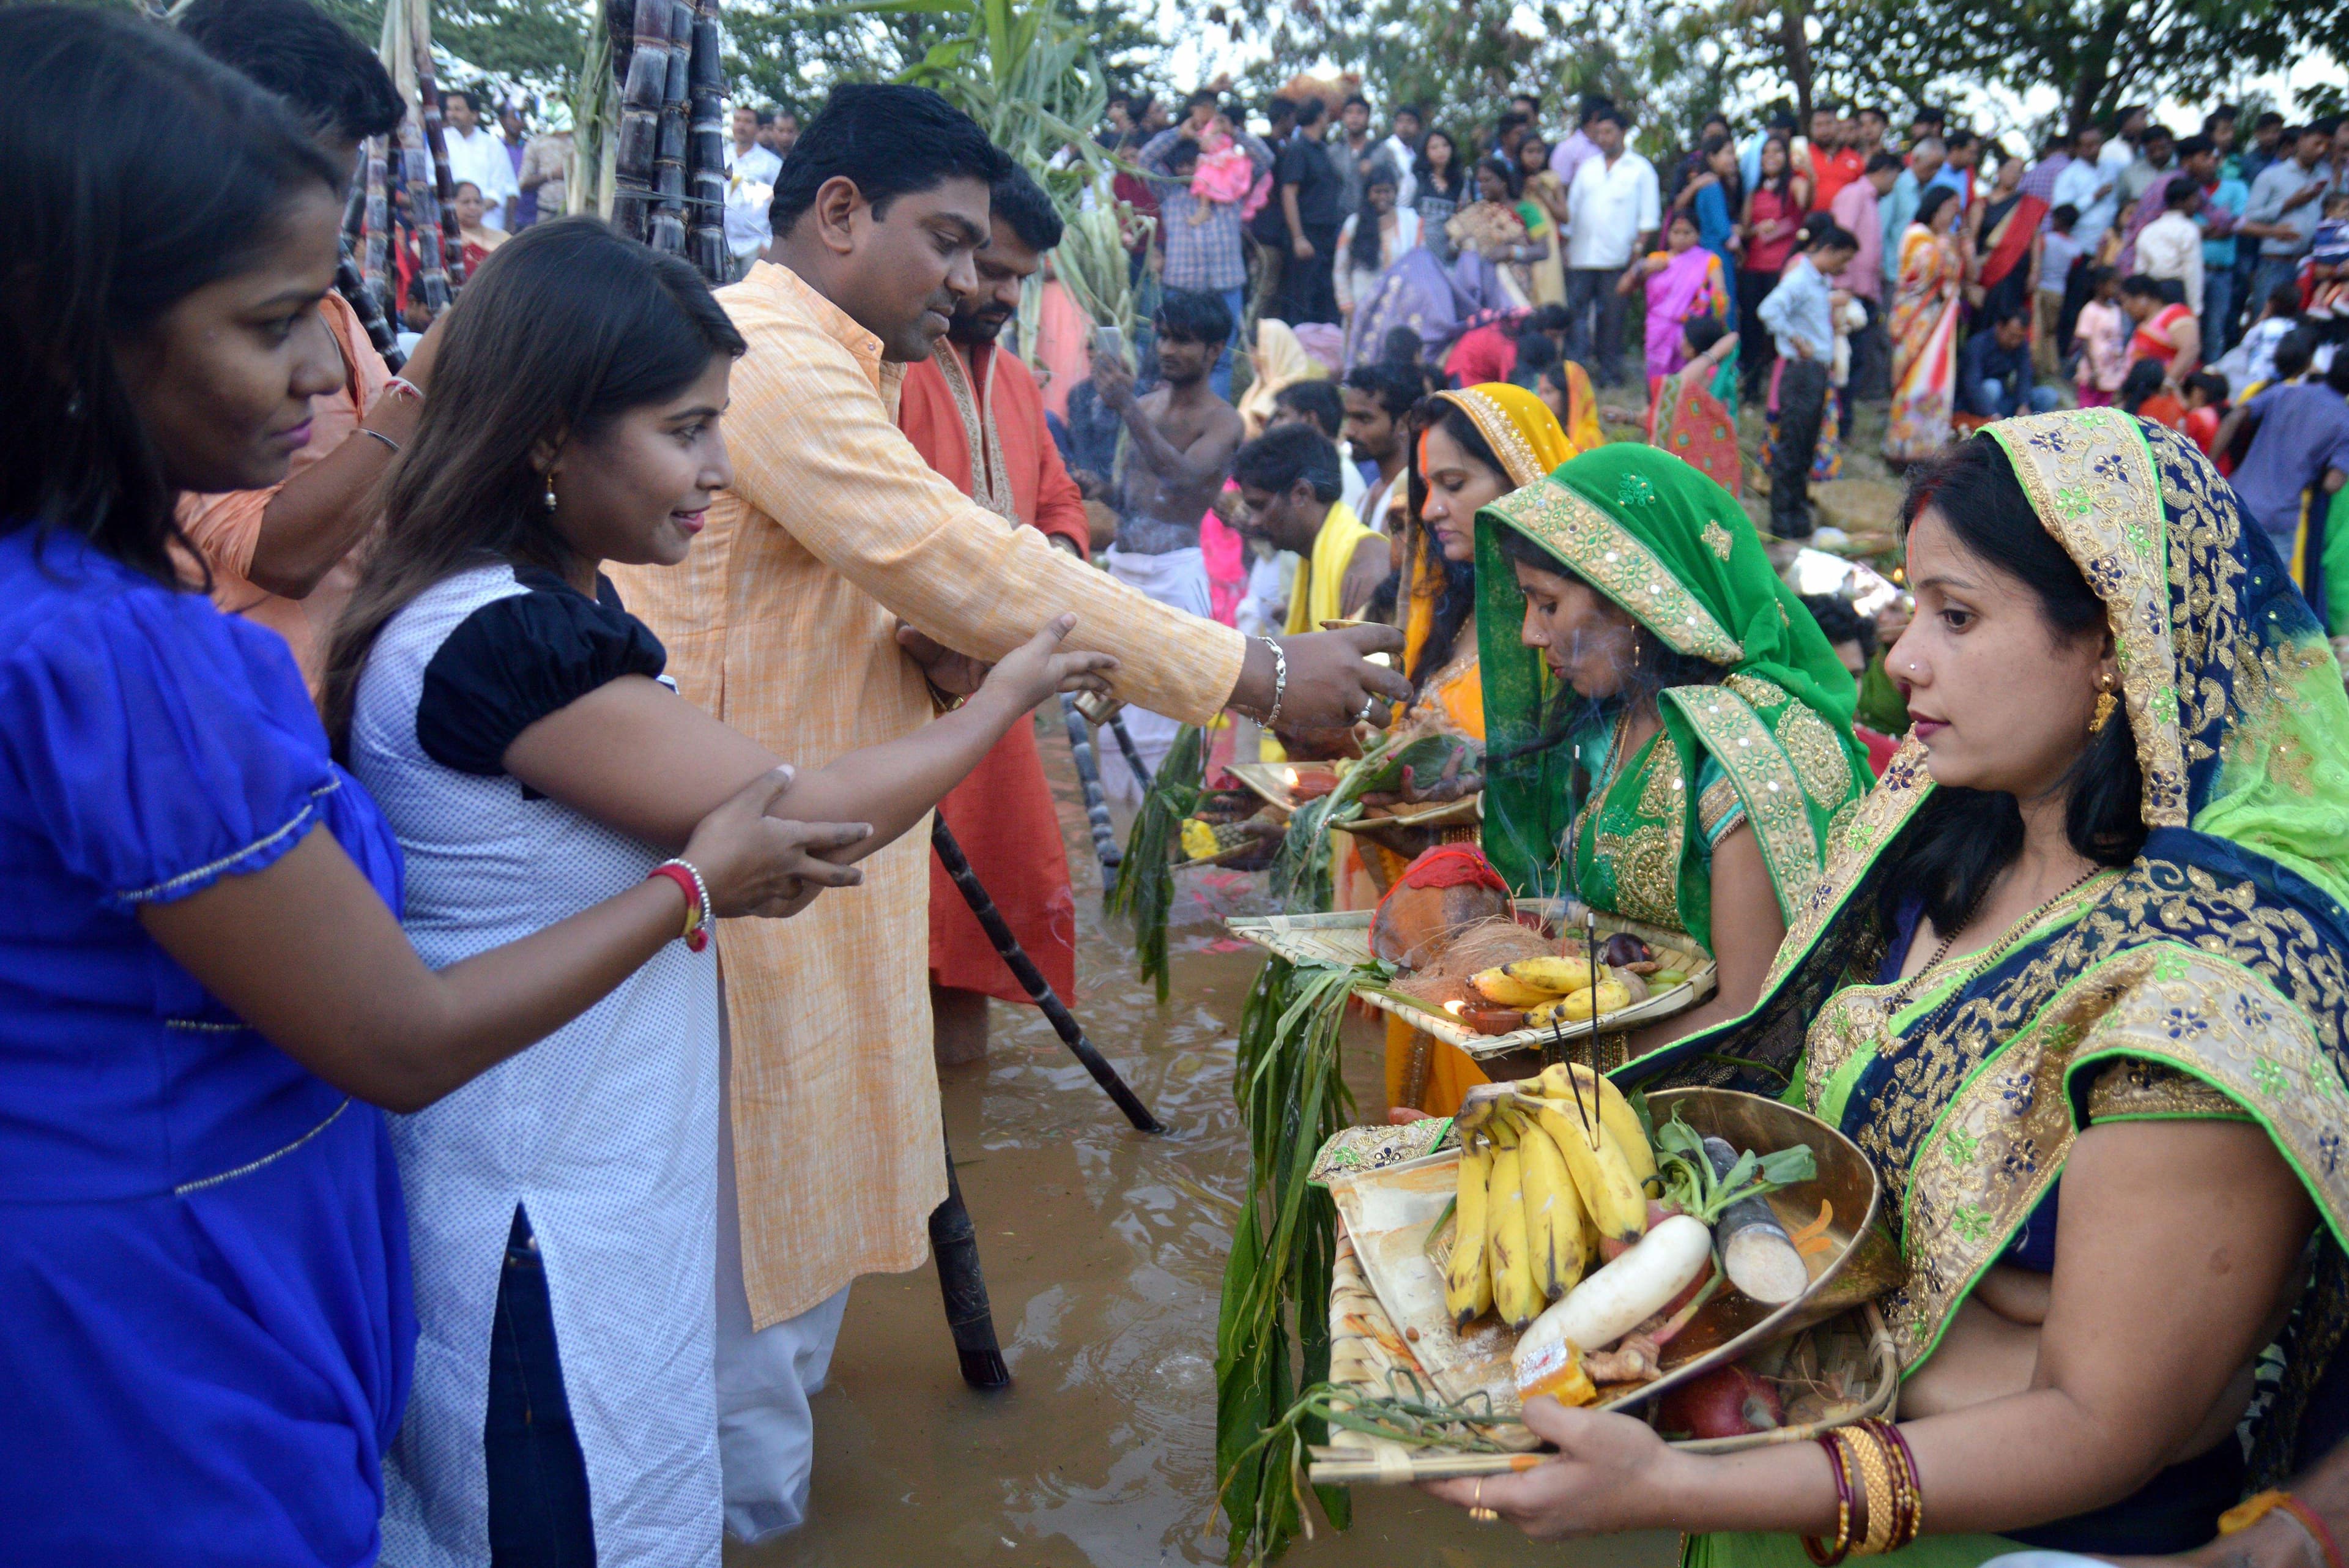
(1105, 1253)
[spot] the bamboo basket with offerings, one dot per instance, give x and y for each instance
(1706, 1259)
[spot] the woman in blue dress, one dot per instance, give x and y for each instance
(204, 990)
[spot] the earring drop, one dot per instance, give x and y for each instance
(2105, 703)
(550, 493)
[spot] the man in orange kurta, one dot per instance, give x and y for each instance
(974, 412)
(828, 581)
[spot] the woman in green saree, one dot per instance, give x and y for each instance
(2066, 938)
(1668, 734)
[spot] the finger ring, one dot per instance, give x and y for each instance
(1476, 1509)
(1369, 701)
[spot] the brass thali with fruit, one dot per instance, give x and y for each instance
(1681, 976)
(1681, 1316)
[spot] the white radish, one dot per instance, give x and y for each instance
(1612, 1302)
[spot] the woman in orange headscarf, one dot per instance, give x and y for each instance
(1474, 447)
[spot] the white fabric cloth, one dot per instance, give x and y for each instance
(1607, 209)
(605, 1132)
(766, 1432)
(1178, 577)
(1351, 486)
(482, 159)
(2172, 246)
(749, 195)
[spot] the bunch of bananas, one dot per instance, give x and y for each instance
(1567, 990)
(1550, 1168)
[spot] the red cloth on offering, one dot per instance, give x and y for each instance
(1002, 814)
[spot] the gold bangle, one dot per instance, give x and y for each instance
(1875, 1476)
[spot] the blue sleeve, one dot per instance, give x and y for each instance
(161, 745)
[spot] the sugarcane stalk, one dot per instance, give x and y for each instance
(1031, 979)
(355, 205)
(705, 164)
(375, 255)
(954, 1242)
(1133, 752)
(1080, 745)
(667, 228)
(352, 285)
(441, 209)
(643, 72)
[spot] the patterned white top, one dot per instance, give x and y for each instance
(605, 1132)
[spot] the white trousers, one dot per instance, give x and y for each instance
(766, 1434)
(1178, 578)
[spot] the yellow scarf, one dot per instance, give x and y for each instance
(1525, 435)
(1319, 595)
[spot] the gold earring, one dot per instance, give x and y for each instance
(550, 493)
(2105, 703)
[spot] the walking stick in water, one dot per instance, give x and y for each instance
(954, 1242)
(1081, 743)
(1031, 979)
(1133, 752)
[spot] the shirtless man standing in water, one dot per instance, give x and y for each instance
(1178, 453)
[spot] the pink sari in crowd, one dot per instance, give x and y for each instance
(1690, 285)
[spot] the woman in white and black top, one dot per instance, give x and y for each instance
(505, 710)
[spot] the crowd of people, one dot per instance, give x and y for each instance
(2124, 265)
(386, 1166)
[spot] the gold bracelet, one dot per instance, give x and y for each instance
(1876, 1477)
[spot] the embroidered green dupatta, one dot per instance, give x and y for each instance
(2210, 977)
(1678, 553)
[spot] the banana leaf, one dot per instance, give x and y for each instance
(1145, 889)
(1292, 1099)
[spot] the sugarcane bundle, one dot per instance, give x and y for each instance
(640, 50)
(706, 150)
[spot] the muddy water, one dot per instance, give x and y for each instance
(1103, 1251)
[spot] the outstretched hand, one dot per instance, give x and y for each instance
(1329, 675)
(1036, 667)
(1605, 1476)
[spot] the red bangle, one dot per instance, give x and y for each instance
(696, 933)
(2315, 1527)
(1822, 1556)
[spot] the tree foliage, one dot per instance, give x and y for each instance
(2096, 54)
(789, 56)
(1462, 58)
(533, 44)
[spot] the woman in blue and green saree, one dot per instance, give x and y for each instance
(2086, 940)
(1668, 733)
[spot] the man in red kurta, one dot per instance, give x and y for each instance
(975, 414)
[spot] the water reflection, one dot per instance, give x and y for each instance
(1105, 1253)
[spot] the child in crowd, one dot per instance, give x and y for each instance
(1799, 314)
(2102, 339)
(2206, 400)
(2142, 393)
(2059, 248)
(2251, 364)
